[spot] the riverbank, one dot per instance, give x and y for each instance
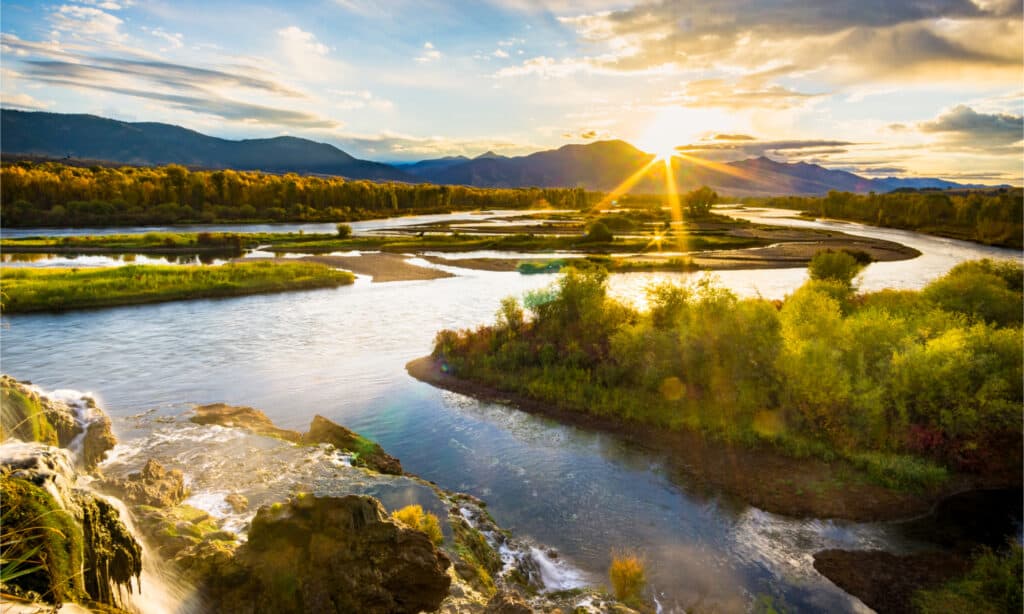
(26, 290)
(759, 476)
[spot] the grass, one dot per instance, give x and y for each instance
(27, 290)
(628, 577)
(993, 585)
(414, 517)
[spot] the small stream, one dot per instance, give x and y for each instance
(341, 353)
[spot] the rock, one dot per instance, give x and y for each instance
(173, 529)
(507, 603)
(154, 486)
(237, 502)
(86, 549)
(98, 440)
(76, 424)
(330, 554)
(242, 417)
(368, 453)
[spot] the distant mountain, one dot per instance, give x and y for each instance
(87, 136)
(601, 165)
(490, 154)
(596, 166)
(428, 166)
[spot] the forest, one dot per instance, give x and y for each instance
(993, 217)
(55, 194)
(903, 384)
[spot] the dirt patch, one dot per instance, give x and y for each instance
(886, 582)
(382, 267)
(758, 476)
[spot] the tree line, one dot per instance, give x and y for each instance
(993, 217)
(55, 194)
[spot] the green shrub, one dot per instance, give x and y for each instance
(835, 266)
(344, 231)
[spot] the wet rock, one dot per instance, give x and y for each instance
(97, 441)
(154, 486)
(247, 418)
(81, 426)
(237, 502)
(367, 453)
(86, 550)
(330, 554)
(507, 603)
(174, 529)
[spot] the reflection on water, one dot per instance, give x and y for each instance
(341, 353)
(50, 260)
(307, 228)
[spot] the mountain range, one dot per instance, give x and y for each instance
(600, 165)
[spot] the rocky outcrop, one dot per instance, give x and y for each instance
(507, 603)
(329, 554)
(76, 424)
(85, 553)
(247, 418)
(366, 453)
(154, 486)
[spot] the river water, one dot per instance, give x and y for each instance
(341, 353)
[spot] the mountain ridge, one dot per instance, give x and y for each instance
(599, 165)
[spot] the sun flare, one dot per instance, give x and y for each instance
(672, 127)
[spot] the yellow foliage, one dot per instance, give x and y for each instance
(627, 576)
(414, 517)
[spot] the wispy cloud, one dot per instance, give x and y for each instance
(429, 53)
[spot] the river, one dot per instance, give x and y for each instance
(341, 353)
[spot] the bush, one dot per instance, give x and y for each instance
(598, 233)
(628, 577)
(344, 231)
(836, 266)
(414, 517)
(993, 585)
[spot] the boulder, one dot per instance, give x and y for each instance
(76, 424)
(507, 603)
(87, 552)
(237, 502)
(329, 554)
(247, 418)
(154, 486)
(367, 453)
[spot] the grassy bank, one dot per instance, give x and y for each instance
(26, 290)
(166, 242)
(902, 386)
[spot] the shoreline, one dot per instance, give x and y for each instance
(759, 477)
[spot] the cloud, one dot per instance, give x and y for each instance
(389, 146)
(359, 99)
(500, 53)
(849, 41)
(174, 40)
(166, 74)
(962, 125)
(17, 100)
(86, 22)
(751, 91)
(214, 105)
(429, 54)
(738, 146)
(306, 55)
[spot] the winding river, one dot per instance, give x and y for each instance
(341, 353)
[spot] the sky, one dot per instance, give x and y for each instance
(877, 87)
